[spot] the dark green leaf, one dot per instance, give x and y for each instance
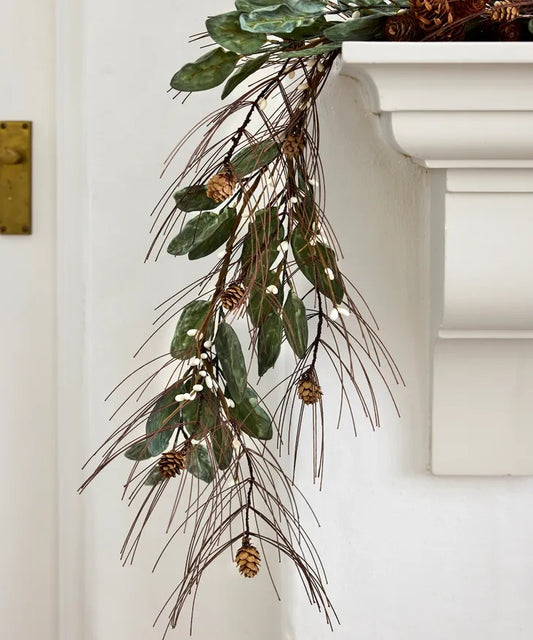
(154, 477)
(254, 157)
(251, 5)
(139, 451)
(199, 463)
(209, 411)
(364, 28)
(231, 360)
(222, 440)
(262, 240)
(280, 19)
(225, 29)
(312, 51)
(247, 69)
(530, 26)
(192, 233)
(313, 30)
(194, 199)
(215, 235)
(191, 317)
(161, 423)
(207, 72)
(295, 324)
(307, 7)
(252, 418)
(313, 260)
(269, 343)
(262, 303)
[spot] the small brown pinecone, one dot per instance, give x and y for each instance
(232, 296)
(505, 11)
(432, 15)
(172, 463)
(401, 27)
(293, 145)
(309, 390)
(221, 186)
(510, 31)
(464, 8)
(248, 559)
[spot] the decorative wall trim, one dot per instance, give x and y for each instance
(71, 279)
(465, 110)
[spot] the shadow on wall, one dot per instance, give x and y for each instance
(378, 204)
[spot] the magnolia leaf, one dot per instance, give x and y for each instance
(269, 343)
(280, 19)
(200, 415)
(191, 317)
(192, 233)
(215, 235)
(207, 72)
(252, 5)
(139, 451)
(160, 424)
(251, 416)
(225, 29)
(310, 7)
(263, 238)
(231, 360)
(194, 199)
(295, 324)
(254, 157)
(189, 416)
(262, 303)
(314, 261)
(247, 69)
(364, 28)
(309, 32)
(222, 440)
(312, 51)
(530, 26)
(199, 463)
(154, 477)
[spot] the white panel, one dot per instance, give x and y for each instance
(489, 262)
(483, 407)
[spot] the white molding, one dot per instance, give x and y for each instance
(71, 361)
(465, 110)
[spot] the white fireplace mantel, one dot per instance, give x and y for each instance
(465, 111)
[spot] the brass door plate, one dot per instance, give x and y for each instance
(15, 177)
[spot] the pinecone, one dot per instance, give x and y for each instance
(309, 390)
(221, 186)
(172, 463)
(510, 31)
(232, 296)
(505, 11)
(248, 559)
(401, 27)
(465, 8)
(432, 15)
(293, 145)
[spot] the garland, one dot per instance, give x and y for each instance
(257, 207)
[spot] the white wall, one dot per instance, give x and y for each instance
(28, 557)
(410, 556)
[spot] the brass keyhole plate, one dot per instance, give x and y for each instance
(15, 177)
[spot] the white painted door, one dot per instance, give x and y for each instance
(28, 555)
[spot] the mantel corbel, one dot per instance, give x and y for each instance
(465, 111)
